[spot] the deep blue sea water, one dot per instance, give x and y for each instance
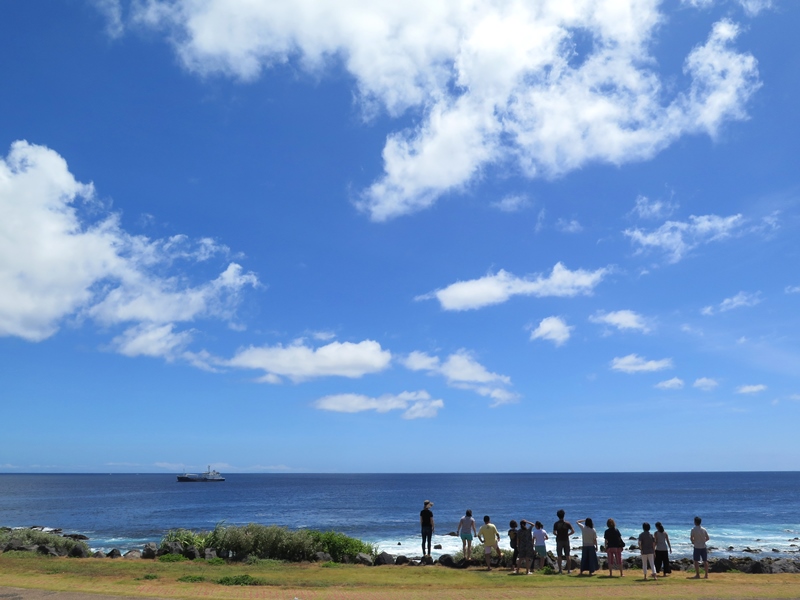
(756, 510)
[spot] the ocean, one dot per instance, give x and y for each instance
(742, 511)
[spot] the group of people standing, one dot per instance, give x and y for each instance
(527, 540)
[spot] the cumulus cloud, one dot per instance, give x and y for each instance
(751, 389)
(633, 363)
(621, 319)
(487, 83)
(553, 329)
(705, 384)
(462, 371)
(677, 238)
(513, 203)
(742, 299)
(498, 288)
(670, 384)
(792, 289)
(416, 405)
(57, 263)
(300, 362)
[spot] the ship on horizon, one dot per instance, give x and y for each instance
(207, 476)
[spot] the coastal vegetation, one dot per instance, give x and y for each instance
(36, 537)
(270, 542)
(276, 579)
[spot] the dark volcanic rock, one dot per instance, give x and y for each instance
(75, 536)
(114, 553)
(132, 555)
(364, 559)
(426, 560)
(170, 548)
(192, 553)
(757, 568)
(209, 554)
(322, 557)
(447, 560)
(437, 546)
(99, 554)
(401, 560)
(150, 550)
(384, 558)
(46, 550)
(78, 551)
(784, 565)
(721, 565)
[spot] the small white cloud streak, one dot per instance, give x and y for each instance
(751, 389)
(792, 289)
(462, 371)
(644, 208)
(500, 287)
(572, 226)
(553, 329)
(622, 320)
(677, 238)
(299, 362)
(633, 363)
(416, 405)
(705, 384)
(670, 384)
(513, 203)
(740, 300)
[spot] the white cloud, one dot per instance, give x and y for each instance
(792, 289)
(57, 264)
(572, 226)
(112, 12)
(462, 371)
(653, 209)
(622, 320)
(742, 299)
(299, 362)
(677, 238)
(671, 384)
(417, 405)
(498, 288)
(633, 363)
(553, 329)
(490, 83)
(751, 389)
(513, 203)
(705, 383)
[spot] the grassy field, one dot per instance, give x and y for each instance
(143, 578)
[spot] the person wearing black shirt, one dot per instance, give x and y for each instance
(427, 524)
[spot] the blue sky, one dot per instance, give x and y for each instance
(347, 236)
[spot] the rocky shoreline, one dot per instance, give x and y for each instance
(152, 551)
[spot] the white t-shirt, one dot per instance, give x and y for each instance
(539, 536)
(699, 536)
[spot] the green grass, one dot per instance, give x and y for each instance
(31, 537)
(333, 581)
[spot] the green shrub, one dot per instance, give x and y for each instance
(215, 561)
(271, 542)
(338, 545)
(547, 570)
(240, 580)
(148, 576)
(191, 578)
(170, 558)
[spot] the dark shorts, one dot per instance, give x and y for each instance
(701, 554)
(562, 547)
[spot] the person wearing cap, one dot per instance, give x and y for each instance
(427, 524)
